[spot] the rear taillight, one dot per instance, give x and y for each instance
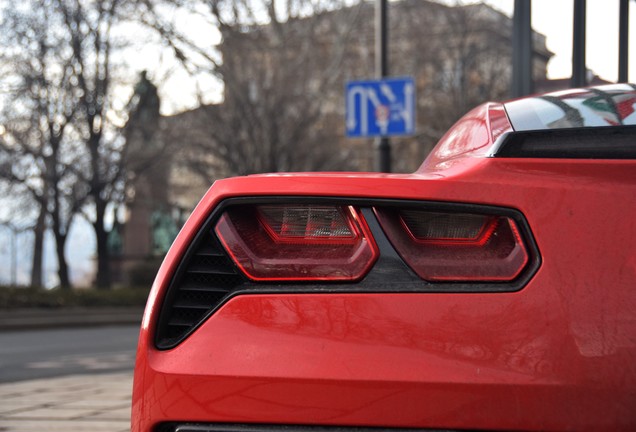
(456, 247)
(304, 241)
(299, 242)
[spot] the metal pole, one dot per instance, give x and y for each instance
(14, 256)
(382, 70)
(522, 76)
(623, 41)
(579, 72)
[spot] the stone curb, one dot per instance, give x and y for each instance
(31, 319)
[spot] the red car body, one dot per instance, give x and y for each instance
(548, 343)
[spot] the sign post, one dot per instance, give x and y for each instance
(382, 70)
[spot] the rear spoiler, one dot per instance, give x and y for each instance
(612, 142)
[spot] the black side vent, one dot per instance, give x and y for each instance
(202, 282)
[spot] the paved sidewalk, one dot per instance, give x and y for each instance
(78, 403)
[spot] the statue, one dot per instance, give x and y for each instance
(143, 109)
(164, 231)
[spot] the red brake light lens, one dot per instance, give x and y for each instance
(456, 247)
(297, 242)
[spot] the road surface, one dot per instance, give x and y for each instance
(26, 355)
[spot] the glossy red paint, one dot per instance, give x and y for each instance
(560, 354)
(473, 135)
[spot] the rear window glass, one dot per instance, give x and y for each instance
(600, 106)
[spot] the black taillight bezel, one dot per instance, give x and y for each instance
(390, 274)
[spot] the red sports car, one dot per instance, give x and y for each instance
(493, 289)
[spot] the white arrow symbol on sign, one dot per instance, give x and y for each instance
(408, 109)
(351, 114)
(387, 92)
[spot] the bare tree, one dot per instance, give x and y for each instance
(61, 139)
(472, 64)
(36, 148)
(279, 63)
(283, 65)
(88, 27)
(17, 216)
(459, 56)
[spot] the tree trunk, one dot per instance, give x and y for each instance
(62, 265)
(103, 280)
(60, 228)
(38, 248)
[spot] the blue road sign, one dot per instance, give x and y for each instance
(380, 107)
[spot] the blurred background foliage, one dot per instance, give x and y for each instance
(87, 137)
